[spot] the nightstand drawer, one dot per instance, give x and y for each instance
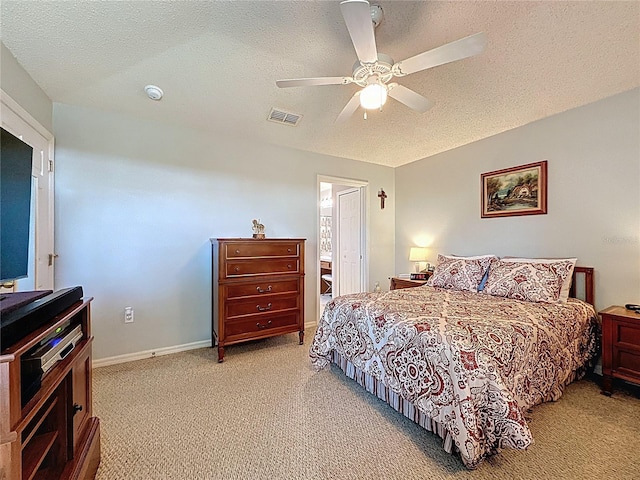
(627, 362)
(627, 334)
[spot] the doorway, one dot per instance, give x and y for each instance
(342, 238)
(21, 124)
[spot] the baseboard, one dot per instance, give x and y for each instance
(130, 357)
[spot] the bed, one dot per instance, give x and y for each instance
(464, 364)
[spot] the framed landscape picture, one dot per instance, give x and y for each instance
(515, 191)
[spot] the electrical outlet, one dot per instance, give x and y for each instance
(128, 314)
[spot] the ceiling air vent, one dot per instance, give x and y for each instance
(286, 118)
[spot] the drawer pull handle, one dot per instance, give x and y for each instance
(76, 408)
(237, 251)
(289, 266)
(264, 309)
(289, 250)
(263, 326)
(237, 269)
(260, 290)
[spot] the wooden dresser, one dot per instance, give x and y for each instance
(257, 289)
(620, 346)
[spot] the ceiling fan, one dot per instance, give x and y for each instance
(373, 71)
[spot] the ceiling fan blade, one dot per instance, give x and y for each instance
(410, 98)
(349, 109)
(306, 82)
(357, 16)
(450, 52)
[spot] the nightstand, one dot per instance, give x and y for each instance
(397, 283)
(620, 346)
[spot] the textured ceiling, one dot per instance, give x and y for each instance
(217, 63)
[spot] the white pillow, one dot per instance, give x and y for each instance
(566, 280)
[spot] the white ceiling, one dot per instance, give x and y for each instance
(217, 63)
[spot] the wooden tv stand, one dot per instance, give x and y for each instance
(54, 435)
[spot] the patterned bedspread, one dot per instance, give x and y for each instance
(472, 362)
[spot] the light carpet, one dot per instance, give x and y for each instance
(265, 413)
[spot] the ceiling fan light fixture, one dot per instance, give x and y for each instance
(376, 14)
(373, 96)
(374, 70)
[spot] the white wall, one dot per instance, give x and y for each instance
(593, 155)
(136, 204)
(15, 81)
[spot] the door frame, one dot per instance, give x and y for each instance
(363, 186)
(47, 278)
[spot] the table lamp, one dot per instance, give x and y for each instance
(418, 254)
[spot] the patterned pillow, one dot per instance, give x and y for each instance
(460, 273)
(528, 281)
(566, 282)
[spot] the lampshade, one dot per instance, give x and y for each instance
(418, 254)
(373, 96)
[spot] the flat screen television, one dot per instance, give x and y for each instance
(15, 206)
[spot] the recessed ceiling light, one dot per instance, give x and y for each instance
(153, 92)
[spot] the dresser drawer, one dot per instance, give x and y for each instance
(261, 249)
(262, 288)
(242, 268)
(262, 305)
(260, 324)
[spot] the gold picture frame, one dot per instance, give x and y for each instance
(514, 191)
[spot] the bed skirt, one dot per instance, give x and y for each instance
(405, 407)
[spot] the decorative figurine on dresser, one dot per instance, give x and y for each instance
(257, 289)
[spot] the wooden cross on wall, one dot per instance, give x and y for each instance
(382, 196)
